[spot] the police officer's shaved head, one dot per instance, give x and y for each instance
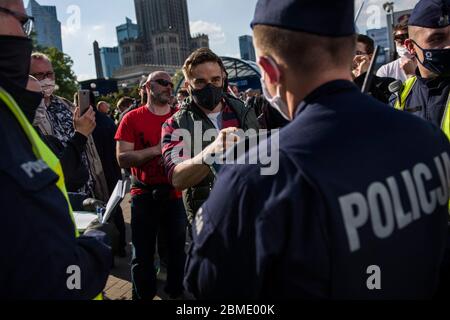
(306, 35)
(304, 51)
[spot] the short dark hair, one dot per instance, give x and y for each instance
(124, 102)
(368, 41)
(401, 27)
(183, 92)
(198, 57)
(304, 51)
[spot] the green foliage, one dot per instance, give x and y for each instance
(177, 78)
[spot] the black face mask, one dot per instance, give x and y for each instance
(208, 97)
(15, 59)
(436, 60)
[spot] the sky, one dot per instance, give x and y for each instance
(84, 21)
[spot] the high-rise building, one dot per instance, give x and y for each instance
(130, 46)
(110, 60)
(199, 41)
(164, 20)
(98, 61)
(46, 25)
(132, 53)
(127, 31)
(247, 48)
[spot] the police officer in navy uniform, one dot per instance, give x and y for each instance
(428, 93)
(40, 256)
(358, 207)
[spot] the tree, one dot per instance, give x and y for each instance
(62, 66)
(177, 78)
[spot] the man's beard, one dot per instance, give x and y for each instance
(161, 98)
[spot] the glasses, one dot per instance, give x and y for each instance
(164, 83)
(26, 20)
(44, 75)
(401, 38)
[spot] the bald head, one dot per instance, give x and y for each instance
(9, 25)
(158, 75)
(159, 88)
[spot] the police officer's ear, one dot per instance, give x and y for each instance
(409, 44)
(270, 68)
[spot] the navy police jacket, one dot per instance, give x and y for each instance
(39, 252)
(356, 210)
(429, 98)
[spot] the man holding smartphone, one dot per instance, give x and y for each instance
(60, 113)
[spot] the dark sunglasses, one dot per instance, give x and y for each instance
(25, 20)
(164, 83)
(401, 38)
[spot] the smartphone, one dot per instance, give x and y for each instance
(83, 101)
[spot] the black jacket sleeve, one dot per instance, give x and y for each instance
(75, 172)
(40, 251)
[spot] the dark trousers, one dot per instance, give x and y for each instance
(119, 222)
(147, 217)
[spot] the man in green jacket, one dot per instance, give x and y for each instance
(208, 108)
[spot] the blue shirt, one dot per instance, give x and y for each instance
(359, 185)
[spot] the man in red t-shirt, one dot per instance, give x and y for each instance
(155, 203)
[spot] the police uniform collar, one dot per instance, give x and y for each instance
(433, 83)
(326, 89)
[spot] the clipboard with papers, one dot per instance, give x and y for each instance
(121, 189)
(83, 219)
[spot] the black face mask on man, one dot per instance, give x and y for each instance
(15, 59)
(436, 60)
(208, 97)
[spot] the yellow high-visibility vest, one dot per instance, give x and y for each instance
(445, 123)
(40, 150)
(407, 89)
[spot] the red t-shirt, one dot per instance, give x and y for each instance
(143, 128)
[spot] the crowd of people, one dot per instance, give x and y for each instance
(360, 182)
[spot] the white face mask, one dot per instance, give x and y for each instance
(402, 51)
(276, 102)
(48, 87)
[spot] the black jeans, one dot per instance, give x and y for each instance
(147, 216)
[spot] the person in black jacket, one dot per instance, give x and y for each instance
(106, 147)
(379, 89)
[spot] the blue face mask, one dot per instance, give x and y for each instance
(436, 60)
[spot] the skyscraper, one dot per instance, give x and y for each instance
(129, 43)
(110, 60)
(127, 31)
(46, 25)
(164, 29)
(247, 48)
